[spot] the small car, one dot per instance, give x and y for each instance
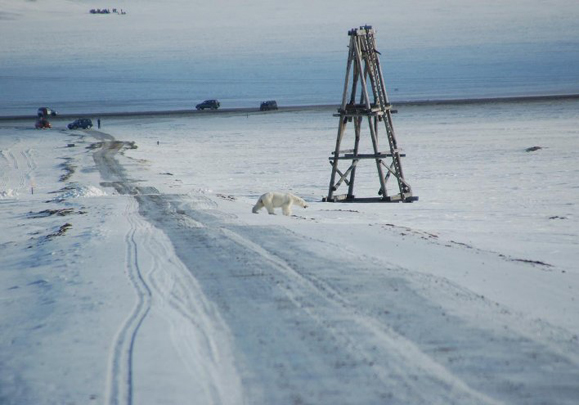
(212, 104)
(46, 112)
(42, 123)
(268, 105)
(82, 123)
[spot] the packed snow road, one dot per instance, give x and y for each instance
(264, 315)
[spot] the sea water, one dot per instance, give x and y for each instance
(171, 56)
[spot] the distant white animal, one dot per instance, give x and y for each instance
(276, 200)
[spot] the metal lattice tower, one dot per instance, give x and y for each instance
(364, 73)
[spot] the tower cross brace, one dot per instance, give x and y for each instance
(364, 74)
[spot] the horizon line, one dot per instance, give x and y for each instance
(425, 102)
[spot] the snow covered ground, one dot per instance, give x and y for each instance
(133, 270)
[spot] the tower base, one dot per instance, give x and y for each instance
(344, 198)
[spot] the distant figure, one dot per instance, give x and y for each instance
(533, 149)
(157, 142)
(99, 123)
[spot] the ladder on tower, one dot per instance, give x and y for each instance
(364, 71)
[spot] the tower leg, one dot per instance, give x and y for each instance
(374, 136)
(357, 126)
(341, 130)
(403, 186)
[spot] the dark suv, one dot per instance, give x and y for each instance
(83, 123)
(268, 105)
(212, 104)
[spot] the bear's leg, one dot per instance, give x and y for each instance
(270, 210)
(287, 209)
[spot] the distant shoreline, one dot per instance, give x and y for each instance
(247, 110)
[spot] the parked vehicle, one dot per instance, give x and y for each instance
(268, 105)
(103, 11)
(211, 104)
(46, 112)
(82, 123)
(42, 123)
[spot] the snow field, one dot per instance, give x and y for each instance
(169, 288)
(468, 165)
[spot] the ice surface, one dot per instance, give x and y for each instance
(171, 55)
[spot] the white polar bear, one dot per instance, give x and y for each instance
(275, 200)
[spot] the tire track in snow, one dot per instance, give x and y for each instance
(198, 334)
(20, 166)
(228, 258)
(19, 174)
(410, 361)
(15, 166)
(4, 169)
(12, 159)
(422, 353)
(31, 167)
(121, 385)
(30, 161)
(4, 153)
(246, 275)
(496, 358)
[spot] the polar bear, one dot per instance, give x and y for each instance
(275, 200)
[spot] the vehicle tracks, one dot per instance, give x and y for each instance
(19, 168)
(289, 320)
(407, 361)
(364, 325)
(163, 285)
(121, 384)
